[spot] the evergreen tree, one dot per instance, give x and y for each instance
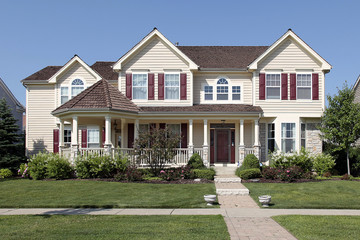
(11, 140)
(341, 121)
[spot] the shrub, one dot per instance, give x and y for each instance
(195, 162)
(270, 172)
(290, 174)
(173, 174)
(204, 173)
(131, 174)
(37, 165)
(95, 166)
(327, 175)
(250, 173)
(301, 159)
(250, 161)
(323, 163)
(5, 173)
(121, 162)
(24, 170)
(346, 177)
(59, 168)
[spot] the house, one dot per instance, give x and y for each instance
(17, 109)
(224, 101)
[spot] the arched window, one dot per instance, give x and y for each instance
(222, 89)
(77, 86)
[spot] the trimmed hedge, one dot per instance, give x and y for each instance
(249, 173)
(207, 173)
(195, 161)
(250, 161)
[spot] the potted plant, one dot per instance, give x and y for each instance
(210, 199)
(265, 200)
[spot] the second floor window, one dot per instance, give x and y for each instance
(303, 85)
(236, 92)
(272, 86)
(64, 94)
(222, 89)
(208, 91)
(172, 86)
(77, 86)
(140, 86)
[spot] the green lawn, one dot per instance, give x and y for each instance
(321, 227)
(324, 194)
(112, 227)
(23, 193)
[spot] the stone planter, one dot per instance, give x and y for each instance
(265, 200)
(210, 199)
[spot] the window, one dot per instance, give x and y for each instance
(77, 86)
(67, 136)
(303, 85)
(175, 128)
(93, 138)
(208, 90)
(140, 86)
(222, 89)
(64, 94)
(288, 137)
(272, 86)
(236, 93)
(271, 137)
(172, 86)
(303, 135)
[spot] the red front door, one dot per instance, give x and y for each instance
(222, 145)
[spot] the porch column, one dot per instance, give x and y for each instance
(205, 145)
(74, 139)
(191, 143)
(256, 142)
(107, 144)
(122, 133)
(61, 136)
(136, 129)
(241, 143)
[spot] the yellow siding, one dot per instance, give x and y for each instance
(242, 79)
(41, 123)
(156, 58)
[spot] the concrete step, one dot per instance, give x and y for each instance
(227, 179)
(240, 191)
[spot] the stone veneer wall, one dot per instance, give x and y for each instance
(262, 129)
(313, 141)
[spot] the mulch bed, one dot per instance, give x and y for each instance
(264, 180)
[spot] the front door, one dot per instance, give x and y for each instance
(222, 145)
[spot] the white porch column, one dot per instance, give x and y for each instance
(122, 133)
(136, 129)
(107, 144)
(191, 143)
(74, 139)
(61, 135)
(205, 145)
(256, 142)
(241, 143)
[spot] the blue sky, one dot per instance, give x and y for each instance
(35, 34)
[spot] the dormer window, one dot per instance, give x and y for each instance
(77, 86)
(222, 89)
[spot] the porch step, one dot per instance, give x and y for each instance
(234, 188)
(220, 179)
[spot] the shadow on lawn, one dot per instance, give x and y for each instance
(78, 211)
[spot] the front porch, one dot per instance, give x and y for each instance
(218, 142)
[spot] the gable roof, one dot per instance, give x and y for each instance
(118, 65)
(100, 96)
(291, 34)
(19, 106)
(356, 83)
(238, 57)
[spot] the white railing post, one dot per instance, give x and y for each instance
(74, 139)
(241, 143)
(191, 144)
(205, 145)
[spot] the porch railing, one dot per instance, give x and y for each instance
(199, 151)
(249, 151)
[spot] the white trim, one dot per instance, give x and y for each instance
(76, 58)
(290, 34)
(155, 33)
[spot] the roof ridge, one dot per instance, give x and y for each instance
(223, 46)
(107, 93)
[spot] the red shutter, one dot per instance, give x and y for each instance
(162, 125)
(129, 85)
(262, 86)
(151, 86)
(184, 135)
(315, 86)
(84, 138)
(182, 86)
(284, 86)
(103, 138)
(56, 140)
(130, 135)
(292, 86)
(160, 86)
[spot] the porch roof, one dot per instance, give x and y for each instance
(100, 95)
(206, 108)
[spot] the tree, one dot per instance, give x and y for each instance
(340, 124)
(156, 147)
(11, 140)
